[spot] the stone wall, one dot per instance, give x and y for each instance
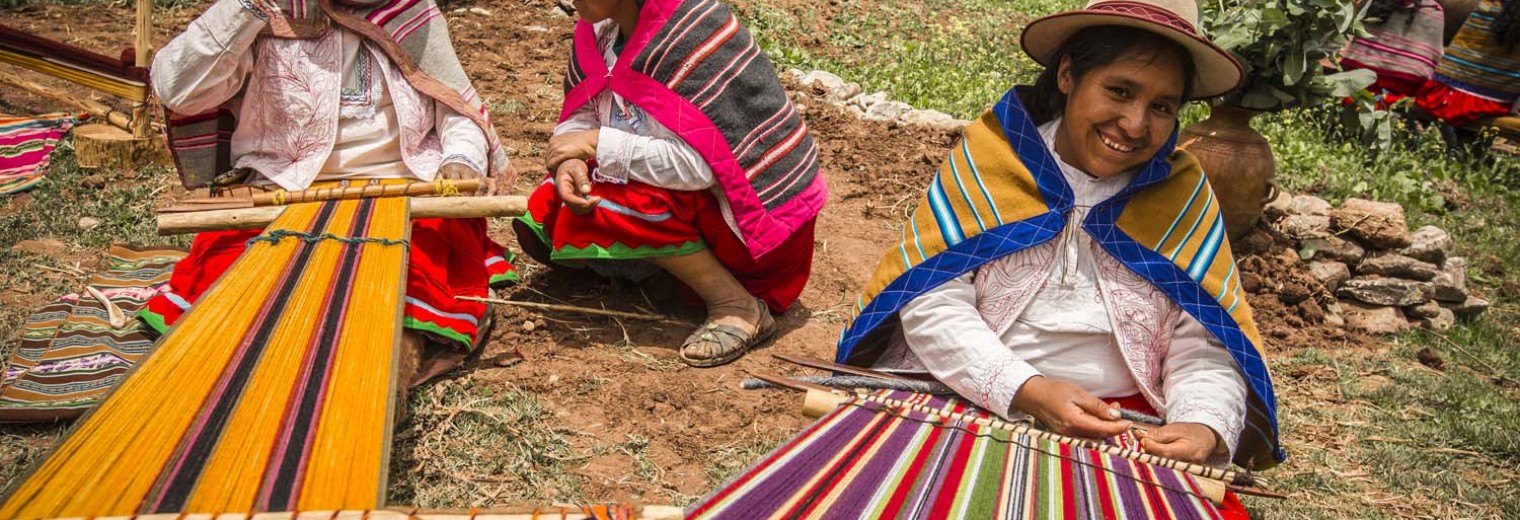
(1385, 277)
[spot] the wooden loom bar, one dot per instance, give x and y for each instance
(255, 218)
(411, 189)
(144, 50)
(130, 90)
(1198, 470)
(94, 108)
(638, 513)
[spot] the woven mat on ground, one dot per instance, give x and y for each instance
(25, 145)
(71, 354)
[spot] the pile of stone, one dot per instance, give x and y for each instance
(874, 106)
(1385, 277)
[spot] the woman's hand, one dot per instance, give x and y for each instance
(573, 180)
(1187, 442)
(571, 145)
(1068, 409)
(460, 172)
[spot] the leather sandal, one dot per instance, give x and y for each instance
(729, 342)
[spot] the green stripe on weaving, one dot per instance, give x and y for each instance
(154, 320)
(620, 251)
(533, 225)
(509, 276)
(899, 471)
(967, 486)
(986, 489)
(428, 326)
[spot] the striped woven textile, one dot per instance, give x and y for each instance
(70, 354)
(60, 60)
(413, 34)
(867, 459)
(1000, 192)
(692, 67)
(1478, 64)
(274, 393)
(26, 145)
(1405, 46)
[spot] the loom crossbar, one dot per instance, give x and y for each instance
(73, 64)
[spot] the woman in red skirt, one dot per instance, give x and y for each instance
(677, 147)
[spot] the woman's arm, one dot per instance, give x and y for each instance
(463, 142)
(1203, 386)
(206, 65)
(665, 162)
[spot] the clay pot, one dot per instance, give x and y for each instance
(1238, 161)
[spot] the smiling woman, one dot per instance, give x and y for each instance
(1068, 260)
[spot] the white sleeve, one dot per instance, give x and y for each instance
(1202, 384)
(947, 333)
(665, 162)
(463, 142)
(206, 65)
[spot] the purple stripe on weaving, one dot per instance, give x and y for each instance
(872, 479)
(1177, 492)
(1131, 505)
(786, 481)
(921, 501)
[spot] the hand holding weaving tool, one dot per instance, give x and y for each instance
(1068, 409)
(574, 184)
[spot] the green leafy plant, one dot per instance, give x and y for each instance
(1284, 45)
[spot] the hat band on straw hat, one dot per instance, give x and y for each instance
(1147, 12)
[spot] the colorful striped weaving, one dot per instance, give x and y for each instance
(71, 355)
(26, 144)
(61, 60)
(869, 459)
(1000, 192)
(273, 394)
(1476, 63)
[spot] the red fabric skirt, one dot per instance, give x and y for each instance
(1232, 508)
(447, 258)
(636, 221)
(1455, 107)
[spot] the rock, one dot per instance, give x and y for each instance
(1374, 319)
(1306, 226)
(480, 11)
(1395, 292)
(1429, 244)
(1430, 358)
(1428, 309)
(93, 181)
(1380, 225)
(1278, 205)
(87, 223)
(1470, 308)
(829, 85)
(1397, 265)
(1258, 240)
(932, 119)
(45, 247)
(887, 110)
(1335, 248)
(1451, 282)
(536, 28)
(866, 101)
(1443, 321)
(1330, 274)
(528, 326)
(553, 379)
(1335, 320)
(1308, 205)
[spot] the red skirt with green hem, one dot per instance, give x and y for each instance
(447, 258)
(636, 221)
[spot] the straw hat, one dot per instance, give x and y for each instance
(1177, 20)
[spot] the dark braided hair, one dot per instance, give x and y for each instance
(1095, 47)
(1507, 24)
(1382, 9)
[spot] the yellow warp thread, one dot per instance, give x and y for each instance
(109, 464)
(279, 197)
(447, 188)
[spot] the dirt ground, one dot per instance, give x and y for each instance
(615, 379)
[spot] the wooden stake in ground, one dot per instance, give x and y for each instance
(570, 308)
(144, 49)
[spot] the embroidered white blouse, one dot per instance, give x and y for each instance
(212, 61)
(1064, 331)
(632, 145)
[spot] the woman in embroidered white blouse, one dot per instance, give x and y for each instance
(1065, 344)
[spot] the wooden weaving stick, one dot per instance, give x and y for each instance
(282, 197)
(255, 218)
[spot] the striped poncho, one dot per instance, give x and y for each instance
(411, 33)
(1478, 64)
(1001, 191)
(691, 66)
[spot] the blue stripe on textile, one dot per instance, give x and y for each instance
(456, 315)
(917, 242)
(1203, 212)
(976, 173)
(1204, 258)
(495, 259)
(1224, 286)
(944, 214)
(624, 210)
(981, 226)
(1024, 137)
(177, 300)
(1497, 96)
(1484, 68)
(1202, 180)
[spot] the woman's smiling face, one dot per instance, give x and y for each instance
(1118, 115)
